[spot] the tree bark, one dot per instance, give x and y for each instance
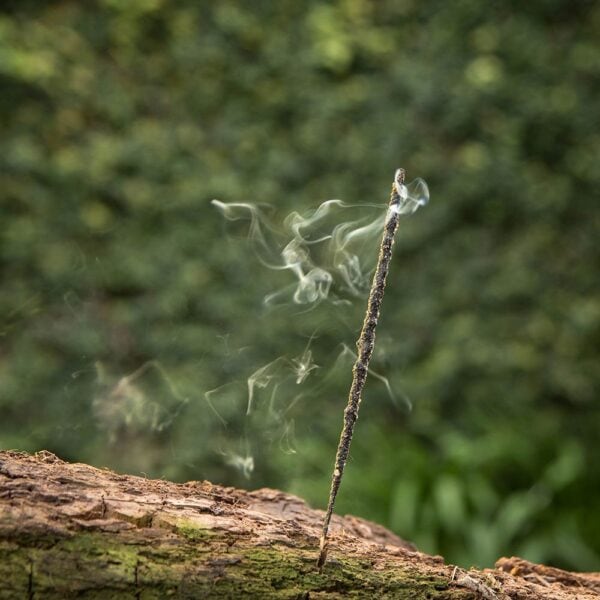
(71, 530)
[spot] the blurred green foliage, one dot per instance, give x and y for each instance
(125, 298)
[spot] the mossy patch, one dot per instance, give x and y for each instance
(94, 565)
(191, 531)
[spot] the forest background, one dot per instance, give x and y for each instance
(133, 325)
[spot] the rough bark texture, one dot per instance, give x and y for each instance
(71, 530)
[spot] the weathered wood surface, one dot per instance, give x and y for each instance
(71, 530)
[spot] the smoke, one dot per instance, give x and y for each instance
(145, 400)
(321, 248)
(244, 464)
(326, 254)
(346, 358)
(412, 196)
(329, 250)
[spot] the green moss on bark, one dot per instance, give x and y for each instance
(103, 565)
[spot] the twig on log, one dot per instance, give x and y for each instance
(365, 345)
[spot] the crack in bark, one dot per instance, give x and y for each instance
(136, 581)
(30, 581)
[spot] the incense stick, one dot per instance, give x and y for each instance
(365, 345)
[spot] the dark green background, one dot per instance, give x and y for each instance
(121, 120)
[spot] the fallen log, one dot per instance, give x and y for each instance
(72, 530)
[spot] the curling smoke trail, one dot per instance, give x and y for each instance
(327, 252)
